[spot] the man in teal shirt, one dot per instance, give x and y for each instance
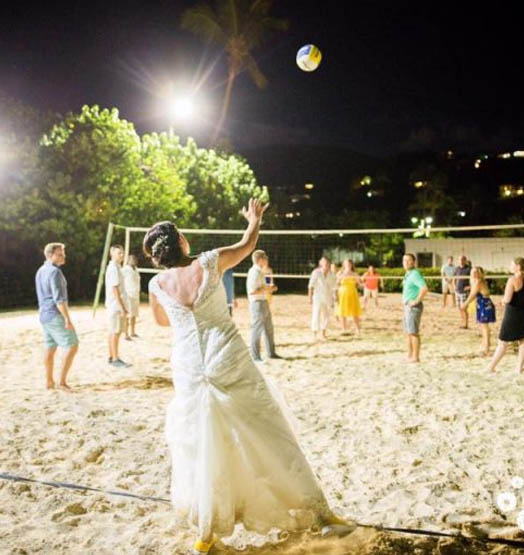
(414, 289)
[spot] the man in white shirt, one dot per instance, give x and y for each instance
(261, 322)
(132, 289)
(115, 304)
(321, 287)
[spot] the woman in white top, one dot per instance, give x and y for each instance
(235, 457)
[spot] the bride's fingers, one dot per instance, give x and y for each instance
(265, 207)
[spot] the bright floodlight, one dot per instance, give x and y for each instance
(183, 108)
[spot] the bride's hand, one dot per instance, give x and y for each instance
(254, 210)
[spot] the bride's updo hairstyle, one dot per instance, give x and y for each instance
(162, 245)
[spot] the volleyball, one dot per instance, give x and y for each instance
(308, 57)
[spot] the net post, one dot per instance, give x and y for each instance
(103, 262)
(126, 245)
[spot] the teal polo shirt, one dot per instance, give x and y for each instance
(413, 282)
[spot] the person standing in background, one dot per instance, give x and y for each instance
(414, 289)
(261, 321)
(462, 288)
(116, 304)
(51, 290)
(371, 280)
(132, 288)
(322, 284)
(448, 286)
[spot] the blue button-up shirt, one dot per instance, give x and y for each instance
(51, 289)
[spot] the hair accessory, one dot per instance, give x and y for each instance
(160, 245)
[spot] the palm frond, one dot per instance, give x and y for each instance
(229, 15)
(203, 22)
(260, 7)
(254, 71)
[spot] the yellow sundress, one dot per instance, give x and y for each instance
(348, 302)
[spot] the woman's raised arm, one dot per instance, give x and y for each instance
(228, 257)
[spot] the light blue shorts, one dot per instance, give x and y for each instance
(56, 334)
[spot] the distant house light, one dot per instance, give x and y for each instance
(504, 155)
(477, 163)
(509, 191)
(290, 215)
(519, 154)
(370, 193)
(419, 184)
(461, 213)
(309, 186)
(450, 154)
(366, 180)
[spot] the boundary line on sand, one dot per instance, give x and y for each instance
(416, 531)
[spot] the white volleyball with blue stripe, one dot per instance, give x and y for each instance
(308, 57)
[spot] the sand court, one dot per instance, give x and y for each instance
(425, 446)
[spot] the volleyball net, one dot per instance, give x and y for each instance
(293, 254)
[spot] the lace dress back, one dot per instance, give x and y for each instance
(234, 455)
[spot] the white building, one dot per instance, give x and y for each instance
(492, 253)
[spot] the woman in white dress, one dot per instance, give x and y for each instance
(234, 455)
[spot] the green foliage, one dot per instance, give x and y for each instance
(92, 168)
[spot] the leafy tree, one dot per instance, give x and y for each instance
(240, 27)
(217, 184)
(91, 172)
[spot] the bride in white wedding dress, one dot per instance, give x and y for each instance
(234, 455)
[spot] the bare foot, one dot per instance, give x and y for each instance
(484, 353)
(413, 360)
(50, 385)
(65, 387)
(490, 370)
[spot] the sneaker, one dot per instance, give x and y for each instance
(119, 363)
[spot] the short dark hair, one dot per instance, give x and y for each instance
(162, 245)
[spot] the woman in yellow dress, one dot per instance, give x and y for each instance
(348, 302)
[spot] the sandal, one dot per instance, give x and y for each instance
(202, 548)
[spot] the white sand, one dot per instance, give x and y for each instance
(415, 446)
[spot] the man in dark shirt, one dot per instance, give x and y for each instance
(51, 290)
(462, 288)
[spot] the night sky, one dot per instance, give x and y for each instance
(395, 76)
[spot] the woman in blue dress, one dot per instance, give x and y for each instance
(485, 307)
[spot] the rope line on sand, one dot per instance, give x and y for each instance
(14, 478)
(417, 531)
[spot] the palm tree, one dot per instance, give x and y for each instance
(239, 26)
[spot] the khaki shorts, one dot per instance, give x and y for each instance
(448, 287)
(117, 322)
(370, 293)
(132, 307)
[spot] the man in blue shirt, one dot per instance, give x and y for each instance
(51, 290)
(414, 289)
